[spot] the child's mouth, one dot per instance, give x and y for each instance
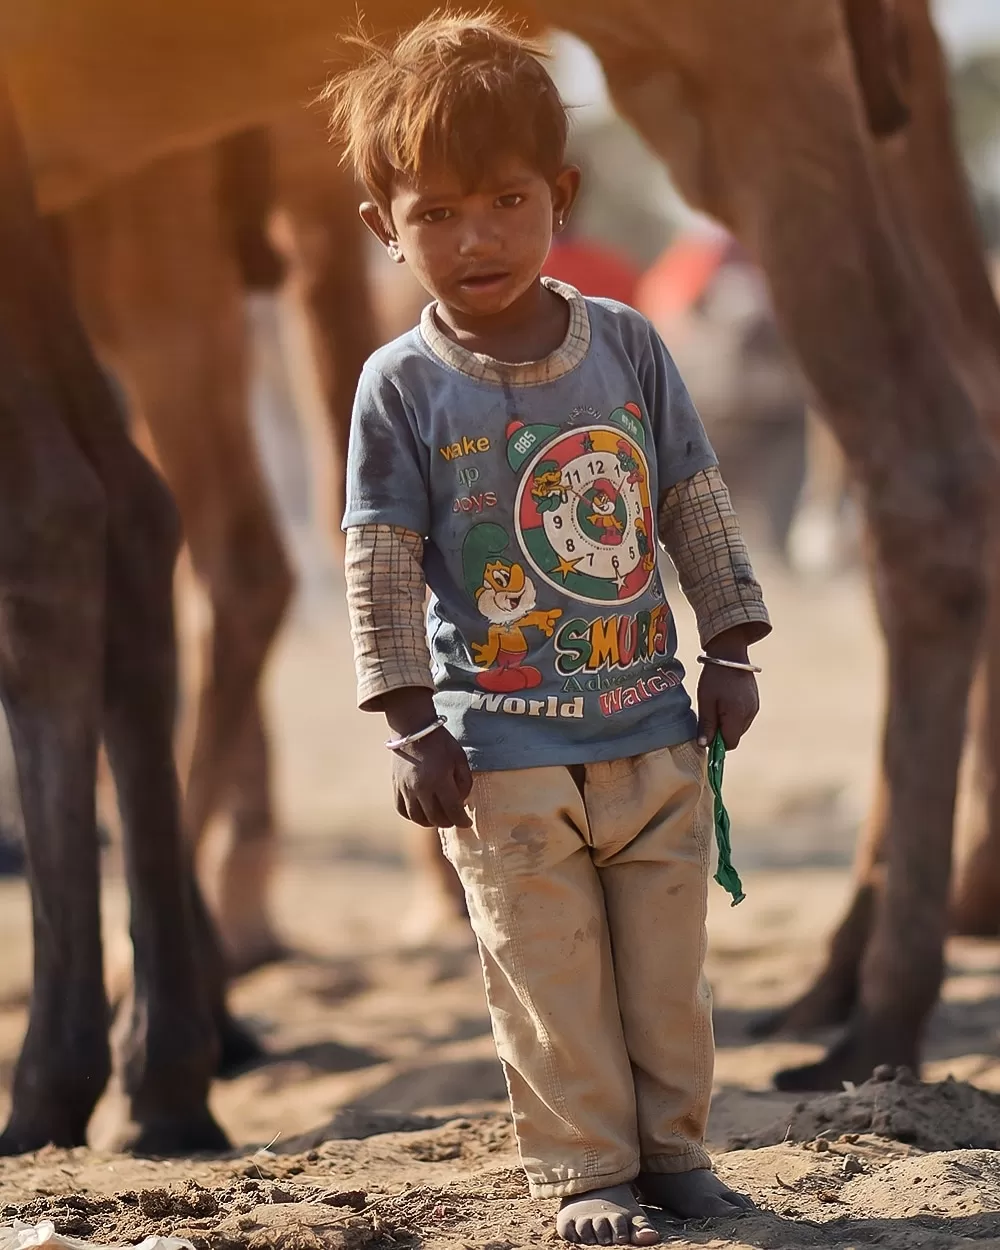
(483, 281)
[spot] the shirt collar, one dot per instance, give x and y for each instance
(566, 357)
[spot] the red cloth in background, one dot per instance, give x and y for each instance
(680, 275)
(593, 269)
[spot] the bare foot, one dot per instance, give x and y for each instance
(605, 1217)
(697, 1195)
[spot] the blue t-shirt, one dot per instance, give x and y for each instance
(535, 487)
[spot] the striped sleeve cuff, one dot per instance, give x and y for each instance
(699, 529)
(385, 598)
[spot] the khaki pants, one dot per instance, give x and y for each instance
(587, 892)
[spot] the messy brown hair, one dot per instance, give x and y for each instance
(458, 89)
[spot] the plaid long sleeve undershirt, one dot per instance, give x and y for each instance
(386, 590)
(702, 536)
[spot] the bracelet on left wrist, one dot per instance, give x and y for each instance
(744, 666)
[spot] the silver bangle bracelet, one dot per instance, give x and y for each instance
(394, 744)
(713, 659)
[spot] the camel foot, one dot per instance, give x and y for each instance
(854, 1058)
(828, 1003)
(169, 1136)
(239, 1048)
(57, 1084)
(27, 1134)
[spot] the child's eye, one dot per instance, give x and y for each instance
(435, 214)
(511, 200)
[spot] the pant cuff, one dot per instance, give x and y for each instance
(582, 1184)
(692, 1159)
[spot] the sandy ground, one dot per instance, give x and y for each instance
(380, 1118)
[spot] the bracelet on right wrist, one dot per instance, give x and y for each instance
(396, 744)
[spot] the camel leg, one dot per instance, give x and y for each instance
(902, 964)
(172, 1048)
(795, 176)
(929, 184)
(248, 865)
(52, 561)
(52, 518)
(164, 296)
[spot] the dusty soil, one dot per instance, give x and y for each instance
(942, 1115)
(379, 1119)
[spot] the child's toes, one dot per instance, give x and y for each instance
(605, 1217)
(642, 1233)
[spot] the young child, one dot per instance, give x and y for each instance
(519, 453)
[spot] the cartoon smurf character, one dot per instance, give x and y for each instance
(505, 596)
(604, 503)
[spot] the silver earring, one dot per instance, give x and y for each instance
(394, 252)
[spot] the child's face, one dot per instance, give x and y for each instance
(478, 249)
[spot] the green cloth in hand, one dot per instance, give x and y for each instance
(727, 876)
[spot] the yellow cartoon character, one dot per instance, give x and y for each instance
(505, 595)
(547, 489)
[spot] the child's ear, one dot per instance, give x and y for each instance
(565, 189)
(371, 215)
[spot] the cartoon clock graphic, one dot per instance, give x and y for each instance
(583, 513)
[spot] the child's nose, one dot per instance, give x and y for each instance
(478, 239)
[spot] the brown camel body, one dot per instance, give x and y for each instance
(757, 110)
(89, 538)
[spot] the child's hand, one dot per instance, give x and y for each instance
(727, 697)
(431, 779)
